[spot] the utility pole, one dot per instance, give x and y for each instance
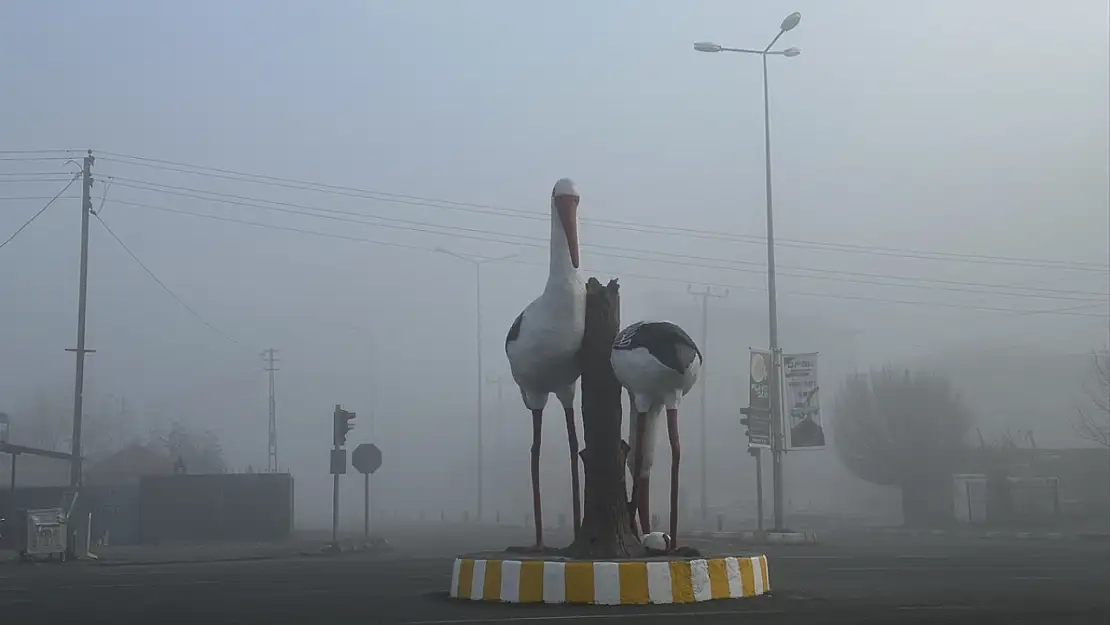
(499, 382)
(79, 381)
(122, 422)
(477, 261)
(271, 457)
(704, 294)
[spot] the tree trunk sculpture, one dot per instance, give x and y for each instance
(606, 526)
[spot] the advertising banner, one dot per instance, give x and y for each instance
(802, 406)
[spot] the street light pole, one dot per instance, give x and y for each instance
(773, 316)
(788, 23)
(477, 261)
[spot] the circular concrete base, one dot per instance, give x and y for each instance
(547, 579)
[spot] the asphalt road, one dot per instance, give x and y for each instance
(852, 580)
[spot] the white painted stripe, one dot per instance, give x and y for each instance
(659, 583)
(455, 579)
(616, 615)
(699, 579)
(735, 587)
(479, 580)
(510, 581)
(757, 575)
(554, 583)
(607, 583)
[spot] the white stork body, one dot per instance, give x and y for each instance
(658, 363)
(543, 343)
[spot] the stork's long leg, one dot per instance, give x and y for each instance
(566, 398)
(643, 505)
(572, 437)
(537, 512)
(676, 456)
(639, 495)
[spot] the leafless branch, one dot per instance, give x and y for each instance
(1093, 421)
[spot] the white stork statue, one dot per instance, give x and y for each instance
(658, 363)
(544, 341)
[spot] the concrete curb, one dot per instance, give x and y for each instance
(989, 534)
(120, 563)
(378, 545)
(757, 537)
(630, 582)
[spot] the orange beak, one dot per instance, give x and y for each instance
(567, 207)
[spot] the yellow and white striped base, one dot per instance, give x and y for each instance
(634, 582)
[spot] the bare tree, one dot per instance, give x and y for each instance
(897, 429)
(1092, 422)
(200, 452)
(44, 421)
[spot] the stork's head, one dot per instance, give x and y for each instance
(564, 203)
(656, 542)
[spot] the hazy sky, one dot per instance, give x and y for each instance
(961, 128)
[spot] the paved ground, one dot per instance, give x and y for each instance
(875, 580)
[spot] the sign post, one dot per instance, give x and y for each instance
(366, 459)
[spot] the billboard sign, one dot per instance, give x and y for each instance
(804, 426)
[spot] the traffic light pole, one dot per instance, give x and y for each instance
(335, 506)
(341, 425)
(758, 453)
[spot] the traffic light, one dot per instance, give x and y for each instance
(746, 422)
(341, 425)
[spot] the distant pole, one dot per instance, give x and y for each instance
(122, 422)
(498, 380)
(478, 373)
(79, 380)
(477, 261)
(271, 458)
(704, 294)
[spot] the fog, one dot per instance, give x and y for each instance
(941, 201)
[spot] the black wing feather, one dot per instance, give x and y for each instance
(660, 338)
(514, 330)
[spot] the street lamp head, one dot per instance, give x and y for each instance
(791, 21)
(791, 52)
(707, 46)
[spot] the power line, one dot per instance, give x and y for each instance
(34, 197)
(654, 256)
(37, 151)
(502, 211)
(41, 211)
(30, 173)
(58, 177)
(163, 284)
(1065, 312)
(29, 159)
